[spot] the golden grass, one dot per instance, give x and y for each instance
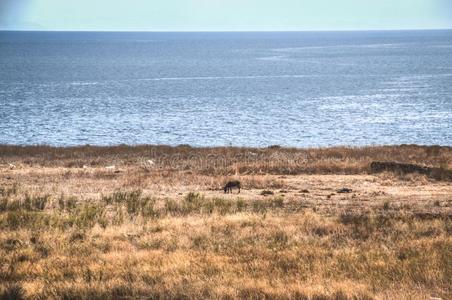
(228, 160)
(166, 230)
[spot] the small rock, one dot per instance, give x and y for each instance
(11, 166)
(110, 167)
(266, 192)
(344, 190)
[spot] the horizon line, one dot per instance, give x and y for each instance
(224, 31)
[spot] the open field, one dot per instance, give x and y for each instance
(153, 222)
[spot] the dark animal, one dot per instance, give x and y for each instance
(232, 184)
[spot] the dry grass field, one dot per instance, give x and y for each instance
(152, 222)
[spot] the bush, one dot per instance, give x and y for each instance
(134, 203)
(223, 206)
(30, 203)
(172, 206)
(196, 203)
(259, 206)
(67, 203)
(277, 202)
(193, 197)
(3, 204)
(88, 215)
(35, 202)
(364, 225)
(119, 197)
(24, 219)
(279, 239)
(241, 205)
(8, 191)
(147, 208)
(193, 202)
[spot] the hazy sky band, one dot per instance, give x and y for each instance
(219, 15)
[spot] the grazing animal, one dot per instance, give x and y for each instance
(232, 184)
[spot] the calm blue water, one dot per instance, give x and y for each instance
(205, 89)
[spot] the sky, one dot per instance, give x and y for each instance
(224, 15)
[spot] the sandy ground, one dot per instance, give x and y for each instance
(319, 192)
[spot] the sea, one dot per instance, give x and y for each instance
(296, 89)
